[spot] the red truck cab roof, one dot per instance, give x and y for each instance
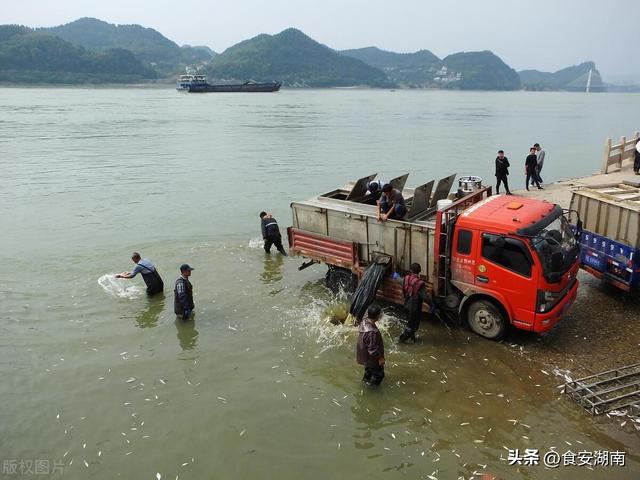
(505, 213)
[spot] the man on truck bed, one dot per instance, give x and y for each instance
(374, 187)
(414, 291)
(391, 204)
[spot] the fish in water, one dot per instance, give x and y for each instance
(337, 313)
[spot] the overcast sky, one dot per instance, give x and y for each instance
(539, 34)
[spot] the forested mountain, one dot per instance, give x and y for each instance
(31, 56)
(464, 70)
(294, 59)
(406, 69)
(90, 50)
(147, 44)
(481, 71)
(570, 78)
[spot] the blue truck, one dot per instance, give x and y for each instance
(610, 240)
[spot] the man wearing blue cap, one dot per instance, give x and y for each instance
(183, 293)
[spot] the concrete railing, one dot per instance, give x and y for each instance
(615, 155)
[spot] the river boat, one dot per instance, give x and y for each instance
(198, 84)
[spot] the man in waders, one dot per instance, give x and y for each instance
(370, 348)
(271, 233)
(414, 290)
(149, 274)
(183, 293)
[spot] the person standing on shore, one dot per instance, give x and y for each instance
(149, 273)
(183, 293)
(502, 172)
(636, 160)
(370, 348)
(540, 159)
(530, 165)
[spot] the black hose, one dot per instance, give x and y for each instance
(365, 294)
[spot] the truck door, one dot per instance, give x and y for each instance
(463, 257)
(506, 267)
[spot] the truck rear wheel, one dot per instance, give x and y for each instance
(486, 319)
(340, 280)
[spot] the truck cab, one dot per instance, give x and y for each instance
(513, 259)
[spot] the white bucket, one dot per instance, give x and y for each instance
(444, 203)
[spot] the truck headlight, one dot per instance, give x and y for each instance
(547, 300)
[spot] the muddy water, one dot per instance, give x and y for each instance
(111, 386)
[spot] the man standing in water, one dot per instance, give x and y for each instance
(149, 274)
(271, 233)
(183, 293)
(414, 291)
(502, 171)
(370, 348)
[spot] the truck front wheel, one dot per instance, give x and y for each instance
(486, 319)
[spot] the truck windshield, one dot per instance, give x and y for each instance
(556, 247)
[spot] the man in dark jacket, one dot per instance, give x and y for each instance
(414, 291)
(271, 233)
(183, 293)
(502, 171)
(149, 273)
(636, 160)
(391, 204)
(370, 348)
(530, 165)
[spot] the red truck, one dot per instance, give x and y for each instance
(490, 260)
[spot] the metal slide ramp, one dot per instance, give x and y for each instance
(611, 390)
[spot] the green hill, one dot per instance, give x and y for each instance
(29, 56)
(570, 78)
(147, 44)
(294, 59)
(410, 69)
(478, 71)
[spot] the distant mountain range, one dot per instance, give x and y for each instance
(90, 50)
(570, 78)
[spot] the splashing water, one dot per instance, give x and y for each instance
(315, 320)
(257, 242)
(119, 288)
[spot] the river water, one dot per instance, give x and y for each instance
(101, 382)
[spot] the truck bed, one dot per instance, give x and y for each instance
(332, 216)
